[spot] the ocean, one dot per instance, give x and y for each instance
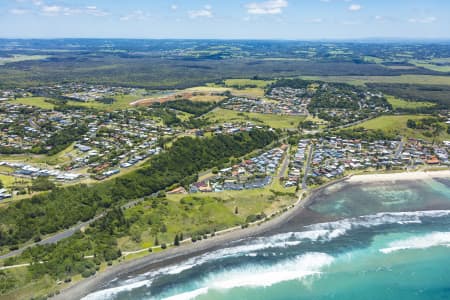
(373, 241)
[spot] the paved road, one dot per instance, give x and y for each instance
(308, 164)
(285, 163)
(399, 150)
(68, 232)
(54, 238)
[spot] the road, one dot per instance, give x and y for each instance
(54, 238)
(308, 163)
(285, 164)
(399, 150)
(72, 230)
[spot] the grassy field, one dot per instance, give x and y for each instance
(122, 102)
(405, 79)
(208, 211)
(274, 121)
(397, 124)
(34, 101)
(18, 58)
(246, 82)
(431, 65)
(400, 103)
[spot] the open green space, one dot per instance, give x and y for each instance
(275, 121)
(19, 58)
(398, 103)
(433, 65)
(405, 79)
(397, 124)
(247, 82)
(121, 102)
(34, 101)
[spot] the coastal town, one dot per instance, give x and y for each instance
(102, 144)
(244, 149)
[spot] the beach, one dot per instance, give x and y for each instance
(399, 176)
(177, 254)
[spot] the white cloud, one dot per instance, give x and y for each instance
(315, 20)
(42, 7)
(174, 7)
(354, 7)
(270, 7)
(94, 11)
(18, 11)
(51, 10)
(206, 12)
(135, 15)
(426, 20)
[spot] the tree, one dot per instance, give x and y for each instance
(176, 241)
(437, 130)
(411, 124)
(42, 184)
(236, 210)
(1, 184)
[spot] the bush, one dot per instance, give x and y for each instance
(163, 246)
(86, 273)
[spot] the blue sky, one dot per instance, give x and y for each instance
(239, 19)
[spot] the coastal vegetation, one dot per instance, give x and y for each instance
(63, 207)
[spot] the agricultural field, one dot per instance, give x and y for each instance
(246, 82)
(398, 103)
(397, 124)
(275, 121)
(19, 58)
(434, 65)
(403, 79)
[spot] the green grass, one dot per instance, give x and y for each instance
(18, 58)
(244, 82)
(122, 102)
(34, 101)
(430, 65)
(405, 79)
(274, 121)
(400, 103)
(397, 124)
(373, 59)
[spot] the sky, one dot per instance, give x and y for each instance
(226, 19)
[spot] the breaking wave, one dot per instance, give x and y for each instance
(433, 239)
(304, 265)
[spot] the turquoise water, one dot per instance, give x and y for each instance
(369, 253)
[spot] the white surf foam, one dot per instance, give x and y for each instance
(433, 239)
(317, 232)
(109, 293)
(303, 266)
(262, 276)
(189, 295)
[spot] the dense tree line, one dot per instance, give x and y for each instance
(61, 139)
(361, 133)
(418, 92)
(64, 207)
(195, 108)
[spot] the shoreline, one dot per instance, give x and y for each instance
(183, 252)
